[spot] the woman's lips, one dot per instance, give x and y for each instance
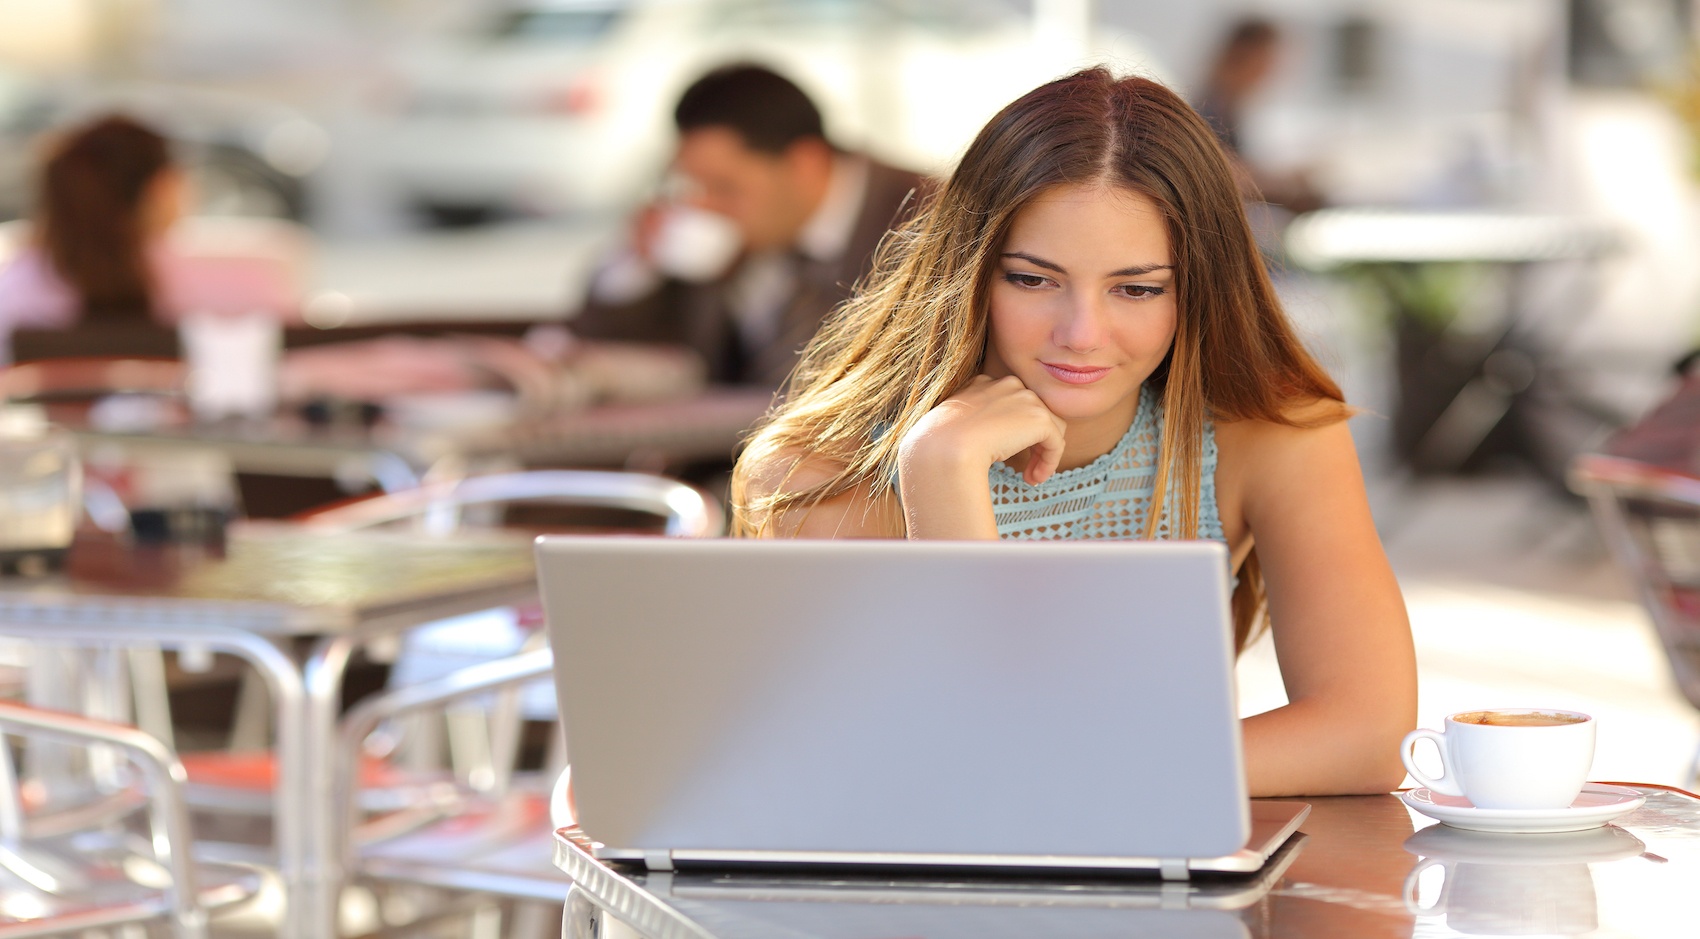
(1075, 374)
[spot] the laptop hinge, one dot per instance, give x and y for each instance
(1173, 868)
(663, 860)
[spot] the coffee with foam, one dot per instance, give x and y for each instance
(1518, 718)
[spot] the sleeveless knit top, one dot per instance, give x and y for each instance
(1109, 497)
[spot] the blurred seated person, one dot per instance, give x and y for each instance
(773, 227)
(100, 248)
(1242, 67)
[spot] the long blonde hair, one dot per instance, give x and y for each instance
(915, 332)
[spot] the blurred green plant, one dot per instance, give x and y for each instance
(1428, 294)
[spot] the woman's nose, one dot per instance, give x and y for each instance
(1081, 326)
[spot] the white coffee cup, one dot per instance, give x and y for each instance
(1531, 758)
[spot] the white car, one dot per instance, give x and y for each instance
(565, 105)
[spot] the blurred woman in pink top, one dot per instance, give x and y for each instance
(100, 253)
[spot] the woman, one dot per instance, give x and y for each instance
(1079, 328)
(100, 250)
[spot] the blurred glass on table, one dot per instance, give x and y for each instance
(40, 491)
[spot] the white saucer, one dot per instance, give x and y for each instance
(1598, 804)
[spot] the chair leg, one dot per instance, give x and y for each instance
(251, 729)
(54, 679)
(486, 922)
(152, 697)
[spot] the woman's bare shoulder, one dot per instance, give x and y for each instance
(857, 512)
(1302, 420)
(788, 470)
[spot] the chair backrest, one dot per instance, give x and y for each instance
(90, 377)
(1651, 522)
(686, 512)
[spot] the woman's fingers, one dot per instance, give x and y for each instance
(1043, 457)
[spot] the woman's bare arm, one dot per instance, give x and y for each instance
(1340, 628)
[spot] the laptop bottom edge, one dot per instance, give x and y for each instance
(1273, 824)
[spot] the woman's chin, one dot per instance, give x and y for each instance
(1074, 404)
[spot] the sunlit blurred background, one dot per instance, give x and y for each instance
(471, 159)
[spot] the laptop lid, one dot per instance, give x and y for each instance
(897, 702)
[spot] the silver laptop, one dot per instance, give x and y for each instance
(903, 704)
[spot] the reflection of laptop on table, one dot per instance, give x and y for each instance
(1014, 706)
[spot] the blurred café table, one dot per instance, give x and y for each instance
(1458, 376)
(470, 432)
(267, 588)
(1364, 866)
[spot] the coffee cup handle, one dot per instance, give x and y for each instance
(1447, 784)
(1439, 904)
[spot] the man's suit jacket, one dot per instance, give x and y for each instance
(698, 315)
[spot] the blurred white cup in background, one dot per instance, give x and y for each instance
(233, 363)
(694, 244)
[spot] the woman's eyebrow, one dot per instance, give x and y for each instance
(1133, 271)
(1140, 269)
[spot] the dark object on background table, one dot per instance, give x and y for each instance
(37, 562)
(341, 412)
(180, 525)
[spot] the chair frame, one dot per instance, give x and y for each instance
(1608, 482)
(688, 512)
(92, 376)
(362, 719)
(169, 814)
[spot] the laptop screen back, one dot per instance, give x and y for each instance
(898, 698)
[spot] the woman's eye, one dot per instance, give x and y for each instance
(1141, 291)
(1024, 280)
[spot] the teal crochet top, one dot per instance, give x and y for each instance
(1109, 497)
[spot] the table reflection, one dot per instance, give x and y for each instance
(1363, 867)
(1497, 884)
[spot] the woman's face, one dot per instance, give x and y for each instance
(1083, 301)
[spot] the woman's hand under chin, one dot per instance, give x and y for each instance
(943, 461)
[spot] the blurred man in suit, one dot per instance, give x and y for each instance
(769, 229)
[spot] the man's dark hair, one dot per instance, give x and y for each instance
(761, 106)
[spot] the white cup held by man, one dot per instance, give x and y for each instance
(1516, 758)
(695, 244)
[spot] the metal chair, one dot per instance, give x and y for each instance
(57, 879)
(496, 842)
(492, 841)
(453, 768)
(1651, 521)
